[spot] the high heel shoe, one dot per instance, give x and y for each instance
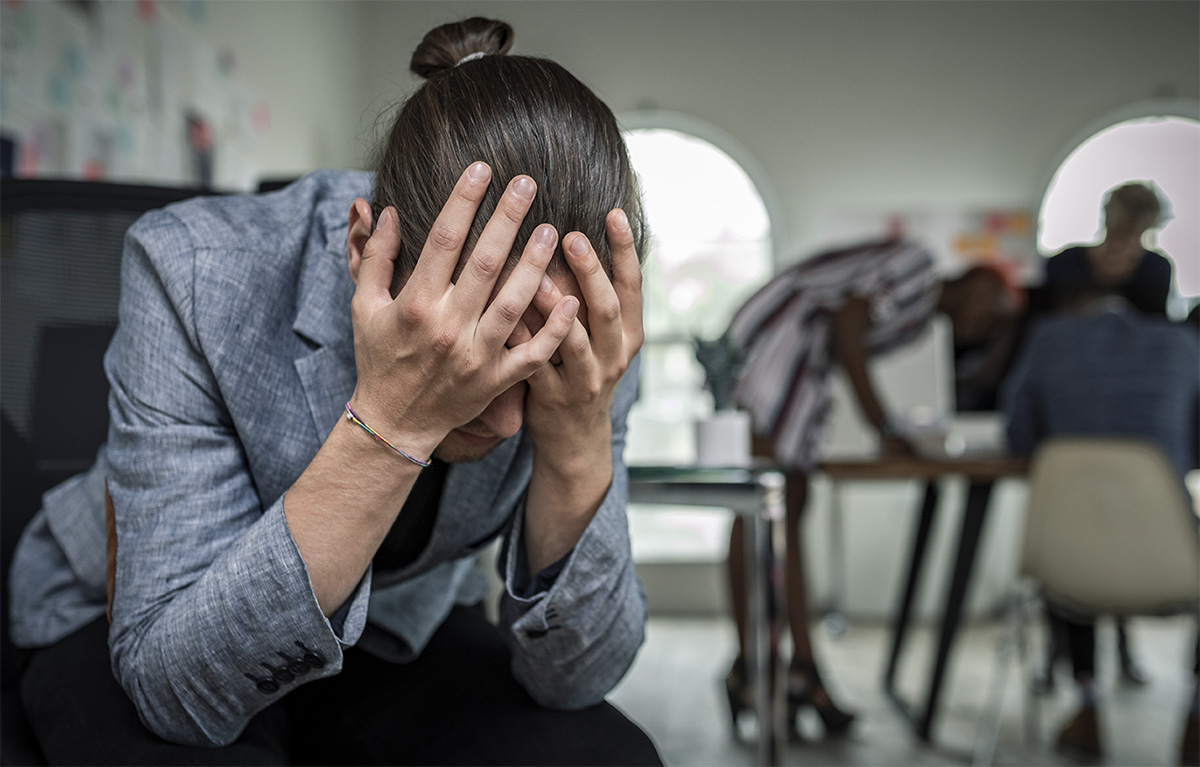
(738, 693)
(806, 689)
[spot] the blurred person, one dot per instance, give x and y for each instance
(318, 420)
(840, 307)
(1122, 265)
(1119, 262)
(1103, 368)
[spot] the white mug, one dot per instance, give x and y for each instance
(723, 439)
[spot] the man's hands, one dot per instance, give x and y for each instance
(435, 357)
(570, 400)
(567, 408)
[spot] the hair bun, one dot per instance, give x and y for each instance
(442, 48)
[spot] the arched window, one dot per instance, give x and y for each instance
(711, 247)
(1162, 148)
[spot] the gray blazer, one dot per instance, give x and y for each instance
(232, 362)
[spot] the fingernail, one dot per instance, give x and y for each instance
(579, 245)
(479, 171)
(571, 307)
(546, 284)
(620, 219)
(544, 235)
(524, 187)
(385, 218)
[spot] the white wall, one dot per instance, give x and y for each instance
(307, 58)
(853, 104)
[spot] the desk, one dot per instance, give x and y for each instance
(756, 493)
(981, 472)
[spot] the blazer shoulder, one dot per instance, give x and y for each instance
(227, 233)
(247, 221)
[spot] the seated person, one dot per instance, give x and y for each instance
(840, 307)
(1103, 368)
(1119, 263)
(325, 401)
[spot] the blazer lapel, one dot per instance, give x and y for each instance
(327, 373)
(328, 376)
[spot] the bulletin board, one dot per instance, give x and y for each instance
(124, 90)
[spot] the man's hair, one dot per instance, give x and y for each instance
(519, 114)
(1138, 201)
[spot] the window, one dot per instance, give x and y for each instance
(710, 249)
(1164, 150)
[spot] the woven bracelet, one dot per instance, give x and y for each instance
(352, 417)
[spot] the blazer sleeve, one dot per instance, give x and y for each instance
(574, 641)
(213, 614)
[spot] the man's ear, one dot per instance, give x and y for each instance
(361, 226)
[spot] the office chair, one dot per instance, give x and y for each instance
(60, 280)
(1109, 529)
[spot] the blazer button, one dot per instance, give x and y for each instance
(294, 665)
(281, 674)
(312, 657)
(265, 686)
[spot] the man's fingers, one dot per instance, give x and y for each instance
(442, 250)
(627, 275)
(544, 301)
(491, 252)
(577, 351)
(378, 263)
(513, 298)
(604, 308)
(519, 335)
(533, 354)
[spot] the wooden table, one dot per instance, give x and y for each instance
(981, 472)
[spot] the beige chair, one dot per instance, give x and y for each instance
(1109, 530)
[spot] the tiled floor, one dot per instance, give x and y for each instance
(674, 690)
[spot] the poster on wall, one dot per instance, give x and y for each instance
(128, 91)
(959, 239)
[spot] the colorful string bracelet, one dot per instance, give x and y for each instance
(352, 417)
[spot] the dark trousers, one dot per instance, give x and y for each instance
(1078, 635)
(456, 704)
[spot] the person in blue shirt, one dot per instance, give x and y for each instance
(1103, 368)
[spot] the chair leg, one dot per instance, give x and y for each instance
(1033, 703)
(1010, 643)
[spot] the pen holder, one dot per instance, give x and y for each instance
(723, 439)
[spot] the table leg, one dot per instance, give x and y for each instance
(834, 621)
(764, 551)
(915, 563)
(974, 516)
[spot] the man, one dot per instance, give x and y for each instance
(1102, 368)
(317, 420)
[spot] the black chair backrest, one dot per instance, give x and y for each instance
(60, 281)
